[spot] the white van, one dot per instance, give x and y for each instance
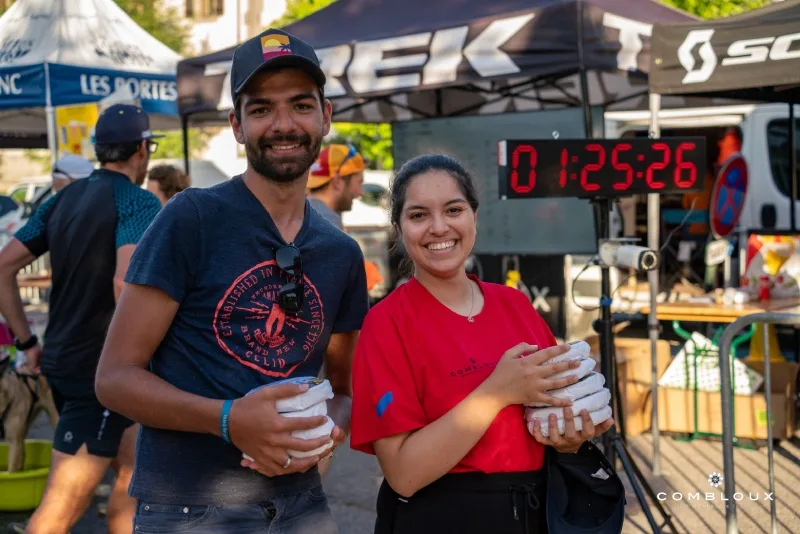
(765, 149)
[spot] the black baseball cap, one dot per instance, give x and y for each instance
(122, 123)
(272, 49)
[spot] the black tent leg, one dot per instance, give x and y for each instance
(185, 128)
(793, 169)
(584, 81)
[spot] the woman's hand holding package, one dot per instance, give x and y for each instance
(571, 440)
(521, 377)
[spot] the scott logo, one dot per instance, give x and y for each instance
(739, 52)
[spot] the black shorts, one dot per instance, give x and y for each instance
(82, 419)
(467, 503)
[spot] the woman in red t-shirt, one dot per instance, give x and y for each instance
(442, 369)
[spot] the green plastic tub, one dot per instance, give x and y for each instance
(23, 490)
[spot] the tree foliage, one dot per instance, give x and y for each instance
(712, 9)
(162, 21)
(374, 141)
(298, 9)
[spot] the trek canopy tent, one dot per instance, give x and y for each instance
(389, 61)
(63, 52)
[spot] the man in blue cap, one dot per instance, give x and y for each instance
(234, 287)
(90, 230)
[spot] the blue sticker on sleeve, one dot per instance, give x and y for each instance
(384, 403)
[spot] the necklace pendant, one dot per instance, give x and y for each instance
(471, 319)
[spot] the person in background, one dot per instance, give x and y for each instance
(234, 287)
(90, 229)
(729, 144)
(442, 369)
(166, 181)
(69, 168)
(335, 181)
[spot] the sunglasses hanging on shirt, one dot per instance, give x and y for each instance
(290, 296)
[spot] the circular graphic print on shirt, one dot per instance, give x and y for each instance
(251, 326)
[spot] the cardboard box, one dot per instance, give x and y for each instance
(676, 407)
(634, 375)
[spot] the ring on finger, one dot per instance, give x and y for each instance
(287, 463)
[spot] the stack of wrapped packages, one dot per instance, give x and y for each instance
(589, 393)
(311, 403)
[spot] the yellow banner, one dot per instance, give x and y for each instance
(75, 128)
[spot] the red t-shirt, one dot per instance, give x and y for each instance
(416, 359)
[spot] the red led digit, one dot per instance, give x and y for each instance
(591, 167)
(658, 166)
(562, 176)
(515, 185)
(681, 165)
(625, 167)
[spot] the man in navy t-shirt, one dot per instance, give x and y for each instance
(234, 287)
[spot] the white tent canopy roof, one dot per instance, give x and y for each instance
(86, 33)
(67, 52)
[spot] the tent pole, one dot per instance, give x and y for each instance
(584, 81)
(653, 218)
(185, 131)
(50, 117)
(793, 168)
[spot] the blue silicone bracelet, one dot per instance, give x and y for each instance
(223, 420)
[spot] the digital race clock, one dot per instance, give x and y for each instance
(601, 167)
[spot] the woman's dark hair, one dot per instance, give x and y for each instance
(428, 163)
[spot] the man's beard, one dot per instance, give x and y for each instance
(141, 174)
(282, 170)
(343, 203)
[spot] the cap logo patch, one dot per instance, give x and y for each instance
(274, 45)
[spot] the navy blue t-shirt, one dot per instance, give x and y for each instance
(213, 251)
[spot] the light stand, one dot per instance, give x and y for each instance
(613, 444)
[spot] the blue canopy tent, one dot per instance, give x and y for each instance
(65, 52)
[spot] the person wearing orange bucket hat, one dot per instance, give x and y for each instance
(335, 181)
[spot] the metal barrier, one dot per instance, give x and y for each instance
(726, 391)
(40, 265)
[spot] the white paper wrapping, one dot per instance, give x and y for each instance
(318, 391)
(586, 366)
(591, 383)
(591, 403)
(320, 408)
(597, 417)
(579, 350)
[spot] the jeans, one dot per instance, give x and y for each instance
(302, 513)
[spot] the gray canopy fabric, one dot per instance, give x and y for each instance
(392, 61)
